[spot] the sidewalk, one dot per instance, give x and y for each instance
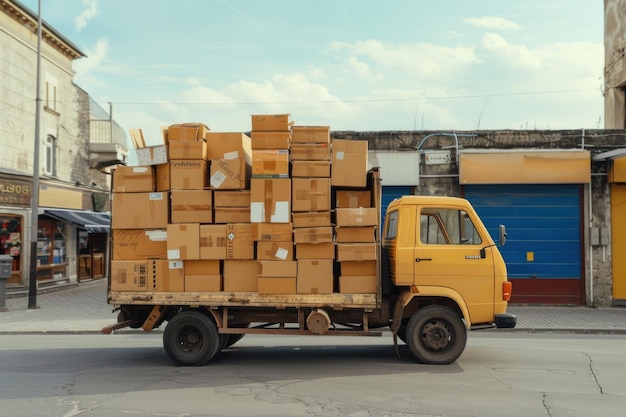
(84, 309)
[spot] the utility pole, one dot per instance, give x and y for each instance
(34, 206)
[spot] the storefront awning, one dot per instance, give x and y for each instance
(91, 221)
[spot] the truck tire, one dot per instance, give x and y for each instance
(191, 339)
(436, 335)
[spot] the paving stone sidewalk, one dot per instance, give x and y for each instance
(84, 309)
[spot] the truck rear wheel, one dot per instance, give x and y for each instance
(191, 339)
(436, 335)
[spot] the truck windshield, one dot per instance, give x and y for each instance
(447, 227)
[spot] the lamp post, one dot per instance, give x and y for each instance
(32, 282)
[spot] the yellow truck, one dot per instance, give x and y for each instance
(438, 274)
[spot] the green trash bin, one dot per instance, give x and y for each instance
(6, 263)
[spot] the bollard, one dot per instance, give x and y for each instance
(5, 273)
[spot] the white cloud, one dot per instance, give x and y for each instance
(492, 22)
(90, 11)
(363, 70)
(516, 55)
(95, 58)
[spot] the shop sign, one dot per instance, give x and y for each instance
(15, 192)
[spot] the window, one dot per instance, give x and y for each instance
(51, 149)
(51, 93)
(447, 227)
(391, 226)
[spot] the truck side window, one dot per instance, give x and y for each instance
(447, 227)
(391, 227)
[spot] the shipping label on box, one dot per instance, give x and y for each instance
(277, 285)
(349, 163)
(152, 155)
(315, 250)
(241, 275)
(140, 210)
(239, 243)
(187, 131)
(311, 219)
(235, 198)
(358, 284)
(313, 234)
(129, 275)
(270, 140)
(270, 122)
(315, 276)
(356, 216)
(279, 268)
(192, 206)
(228, 174)
(353, 199)
(310, 152)
(231, 214)
(310, 194)
(308, 169)
(134, 179)
(358, 268)
(183, 241)
(188, 174)
(310, 134)
(213, 241)
(276, 232)
(365, 234)
(275, 251)
(179, 149)
(138, 244)
(356, 251)
(228, 145)
(167, 276)
(270, 200)
(270, 163)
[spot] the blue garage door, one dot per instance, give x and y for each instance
(543, 251)
(389, 194)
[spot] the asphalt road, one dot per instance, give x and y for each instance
(498, 375)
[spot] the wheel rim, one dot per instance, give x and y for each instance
(436, 335)
(190, 339)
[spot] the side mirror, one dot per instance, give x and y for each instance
(502, 235)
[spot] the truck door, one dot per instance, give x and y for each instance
(449, 253)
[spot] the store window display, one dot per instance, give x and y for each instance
(11, 243)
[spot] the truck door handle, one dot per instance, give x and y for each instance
(423, 259)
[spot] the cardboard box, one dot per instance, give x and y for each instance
(228, 174)
(188, 174)
(270, 200)
(358, 268)
(192, 206)
(356, 252)
(315, 276)
(152, 155)
(213, 241)
(140, 210)
(313, 234)
(239, 243)
(284, 269)
(241, 275)
(311, 219)
(310, 134)
(270, 122)
(275, 251)
(231, 214)
(228, 145)
(349, 163)
(317, 169)
(277, 285)
(270, 163)
(310, 194)
(353, 199)
(139, 244)
(182, 149)
(129, 275)
(138, 179)
(168, 276)
(356, 216)
(310, 152)
(202, 276)
(273, 232)
(183, 241)
(187, 132)
(358, 284)
(315, 250)
(227, 198)
(270, 140)
(163, 181)
(365, 234)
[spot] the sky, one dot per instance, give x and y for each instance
(359, 65)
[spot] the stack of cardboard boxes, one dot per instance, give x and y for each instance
(267, 213)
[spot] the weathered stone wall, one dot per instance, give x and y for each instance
(614, 64)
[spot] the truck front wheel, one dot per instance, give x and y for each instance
(436, 335)
(191, 339)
